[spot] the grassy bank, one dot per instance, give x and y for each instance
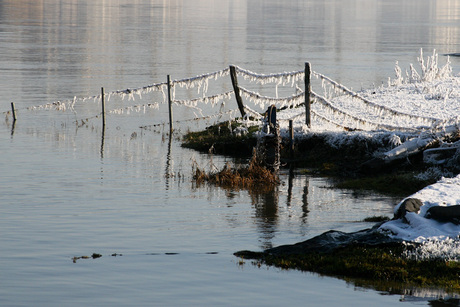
(221, 139)
(318, 154)
(382, 263)
(321, 155)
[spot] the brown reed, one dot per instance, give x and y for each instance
(253, 176)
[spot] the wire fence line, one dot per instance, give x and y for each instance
(326, 110)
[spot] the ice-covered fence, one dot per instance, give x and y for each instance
(359, 113)
(290, 79)
(136, 95)
(348, 109)
(327, 110)
(383, 112)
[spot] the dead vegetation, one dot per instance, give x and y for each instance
(252, 176)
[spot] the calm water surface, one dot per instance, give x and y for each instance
(69, 191)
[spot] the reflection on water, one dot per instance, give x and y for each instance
(83, 188)
(131, 168)
(13, 125)
(55, 50)
(168, 173)
(266, 208)
(266, 214)
(409, 294)
(102, 142)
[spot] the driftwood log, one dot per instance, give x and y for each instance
(428, 145)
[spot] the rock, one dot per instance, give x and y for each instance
(439, 213)
(438, 156)
(330, 241)
(409, 148)
(444, 214)
(389, 159)
(408, 205)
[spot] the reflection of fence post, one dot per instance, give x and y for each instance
(13, 110)
(103, 107)
(307, 94)
(170, 105)
(236, 90)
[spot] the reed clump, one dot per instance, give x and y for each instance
(253, 176)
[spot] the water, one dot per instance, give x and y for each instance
(69, 191)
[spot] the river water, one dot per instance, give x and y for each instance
(70, 190)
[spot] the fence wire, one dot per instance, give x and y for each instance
(325, 108)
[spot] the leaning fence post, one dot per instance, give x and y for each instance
(307, 94)
(103, 107)
(170, 106)
(13, 110)
(236, 90)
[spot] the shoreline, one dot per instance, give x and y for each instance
(318, 153)
(373, 256)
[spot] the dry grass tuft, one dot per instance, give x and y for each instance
(252, 176)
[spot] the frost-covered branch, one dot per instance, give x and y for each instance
(251, 111)
(279, 102)
(158, 87)
(229, 112)
(210, 99)
(373, 104)
(136, 108)
(343, 113)
(201, 82)
(279, 78)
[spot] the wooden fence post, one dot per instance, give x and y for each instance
(236, 90)
(13, 110)
(271, 118)
(291, 138)
(103, 107)
(271, 142)
(170, 106)
(307, 94)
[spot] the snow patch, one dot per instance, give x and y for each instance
(417, 228)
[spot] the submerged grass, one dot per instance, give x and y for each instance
(370, 263)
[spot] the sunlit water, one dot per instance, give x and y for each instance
(70, 191)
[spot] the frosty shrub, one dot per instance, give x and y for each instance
(429, 70)
(434, 249)
(433, 173)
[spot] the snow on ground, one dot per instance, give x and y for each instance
(445, 192)
(413, 101)
(439, 240)
(419, 104)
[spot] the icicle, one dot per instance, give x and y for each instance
(174, 92)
